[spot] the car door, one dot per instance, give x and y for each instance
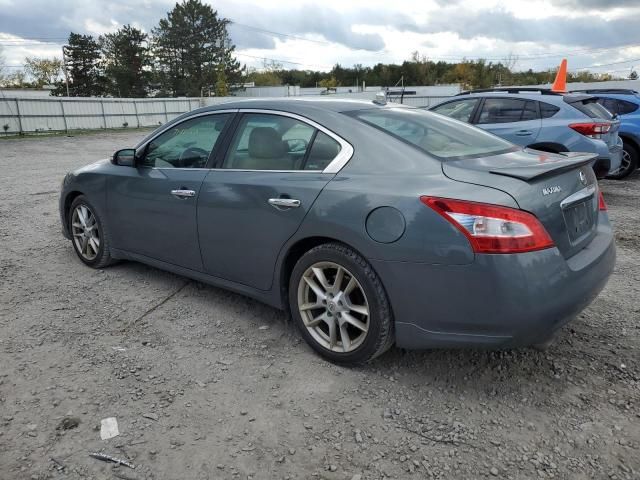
(273, 171)
(513, 119)
(152, 206)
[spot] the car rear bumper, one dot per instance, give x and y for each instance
(498, 300)
(615, 156)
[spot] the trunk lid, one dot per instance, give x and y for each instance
(559, 189)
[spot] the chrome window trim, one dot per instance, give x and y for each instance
(339, 161)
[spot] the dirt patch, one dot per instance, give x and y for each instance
(207, 384)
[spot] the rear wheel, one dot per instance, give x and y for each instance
(89, 235)
(629, 162)
(339, 305)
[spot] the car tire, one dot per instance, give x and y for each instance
(354, 302)
(89, 234)
(629, 162)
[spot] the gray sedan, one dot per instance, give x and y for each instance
(371, 224)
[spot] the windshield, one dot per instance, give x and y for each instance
(440, 136)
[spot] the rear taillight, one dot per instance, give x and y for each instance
(492, 228)
(602, 206)
(591, 129)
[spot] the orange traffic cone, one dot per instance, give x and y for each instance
(560, 83)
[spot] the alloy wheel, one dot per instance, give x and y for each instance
(84, 228)
(333, 307)
(625, 164)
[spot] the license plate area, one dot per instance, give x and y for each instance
(580, 220)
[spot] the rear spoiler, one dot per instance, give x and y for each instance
(553, 165)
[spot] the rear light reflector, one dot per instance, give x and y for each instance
(602, 206)
(591, 129)
(492, 228)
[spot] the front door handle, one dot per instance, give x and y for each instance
(182, 193)
(284, 203)
(524, 133)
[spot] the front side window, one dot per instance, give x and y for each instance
(506, 110)
(186, 145)
(269, 142)
(437, 135)
(460, 110)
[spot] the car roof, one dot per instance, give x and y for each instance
(299, 105)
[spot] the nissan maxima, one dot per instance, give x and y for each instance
(371, 224)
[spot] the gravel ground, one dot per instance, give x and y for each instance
(207, 384)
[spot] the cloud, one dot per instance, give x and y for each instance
(585, 31)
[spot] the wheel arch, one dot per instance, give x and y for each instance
(293, 254)
(68, 200)
(630, 139)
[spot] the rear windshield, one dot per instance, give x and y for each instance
(591, 108)
(440, 136)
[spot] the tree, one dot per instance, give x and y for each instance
(127, 62)
(190, 46)
(221, 84)
(330, 82)
(633, 75)
(43, 71)
(84, 68)
(2, 73)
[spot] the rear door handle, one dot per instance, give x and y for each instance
(524, 133)
(182, 193)
(284, 203)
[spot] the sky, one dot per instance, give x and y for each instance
(599, 35)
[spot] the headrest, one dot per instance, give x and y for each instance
(266, 142)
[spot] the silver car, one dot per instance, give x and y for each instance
(371, 224)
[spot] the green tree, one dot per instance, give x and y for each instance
(84, 68)
(127, 62)
(43, 71)
(2, 69)
(190, 45)
(222, 89)
(330, 82)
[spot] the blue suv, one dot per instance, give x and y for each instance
(543, 120)
(626, 105)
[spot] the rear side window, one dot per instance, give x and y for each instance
(625, 107)
(592, 108)
(507, 110)
(436, 135)
(460, 110)
(323, 150)
(547, 110)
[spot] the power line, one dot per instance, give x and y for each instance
(279, 34)
(281, 61)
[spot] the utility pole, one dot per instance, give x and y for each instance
(64, 67)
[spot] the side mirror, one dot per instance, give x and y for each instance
(125, 157)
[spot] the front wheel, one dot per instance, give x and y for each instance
(628, 164)
(88, 233)
(340, 306)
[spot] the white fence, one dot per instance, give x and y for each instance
(25, 115)
(35, 115)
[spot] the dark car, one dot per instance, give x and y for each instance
(371, 224)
